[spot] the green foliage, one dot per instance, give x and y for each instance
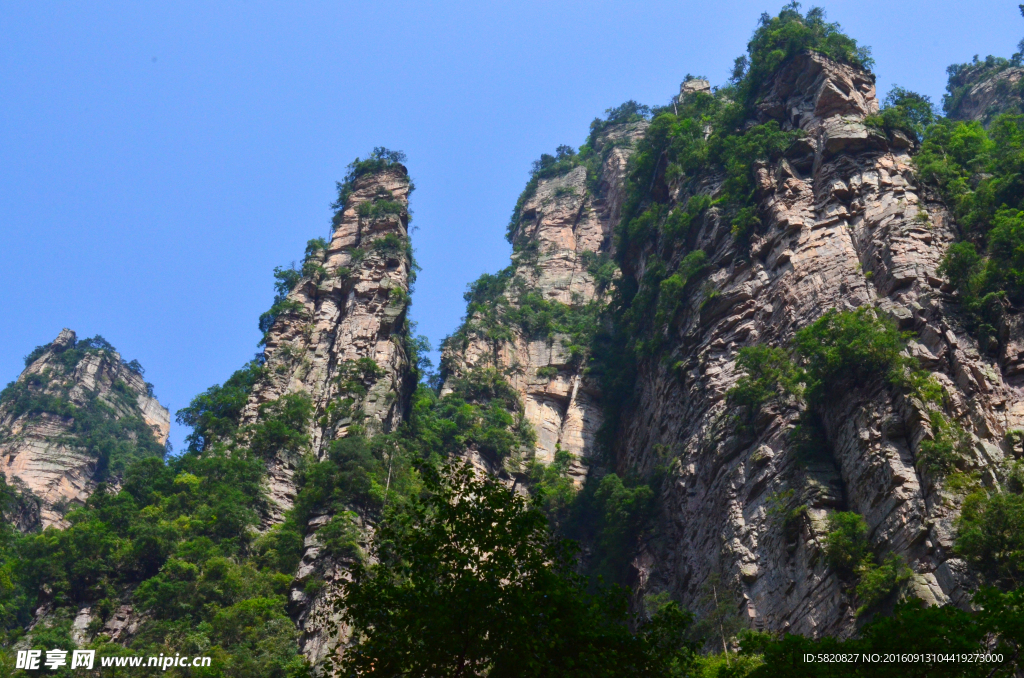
(876, 582)
(671, 290)
(770, 375)
(286, 280)
(482, 412)
(312, 266)
(380, 209)
(964, 76)
(392, 245)
(777, 39)
(846, 545)
(499, 302)
(36, 354)
(281, 427)
(615, 514)
(849, 553)
(948, 447)
(214, 414)
(990, 534)
(547, 372)
(830, 354)
(904, 111)
(379, 160)
(623, 114)
(780, 508)
(518, 611)
(980, 173)
(851, 347)
(340, 537)
(601, 266)
(552, 486)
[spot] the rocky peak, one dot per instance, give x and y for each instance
(48, 449)
(349, 306)
(562, 239)
(339, 340)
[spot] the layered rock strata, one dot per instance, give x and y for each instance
(40, 453)
(845, 224)
(559, 225)
(340, 341)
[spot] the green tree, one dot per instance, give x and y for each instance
(468, 581)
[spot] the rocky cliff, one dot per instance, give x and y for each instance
(75, 417)
(844, 223)
(983, 90)
(339, 339)
(645, 267)
(537, 325)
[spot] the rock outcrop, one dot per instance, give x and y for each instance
(563, 234)
(47, 415)
(845, 223)
(340, 340)
(985, 92)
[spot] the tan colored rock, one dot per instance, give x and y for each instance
(39, 453)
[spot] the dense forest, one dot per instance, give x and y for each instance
(525, 570)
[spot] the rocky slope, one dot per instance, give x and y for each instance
(340, 341)
(48, 449)
(845, 223)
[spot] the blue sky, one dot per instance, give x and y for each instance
(157, 160)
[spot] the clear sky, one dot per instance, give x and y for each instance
(158, 159)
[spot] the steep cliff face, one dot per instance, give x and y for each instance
(349, 306)
(338, 339)
(562, 235)
(76, 416)
(844, 224)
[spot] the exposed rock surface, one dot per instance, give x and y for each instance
(40, 454)
(349, 307)
(845, 224)
(988, 93)
(560, 222)
(693, 86)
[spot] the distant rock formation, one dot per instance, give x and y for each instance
(49, 448)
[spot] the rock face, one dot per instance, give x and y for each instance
(563, 226)
(41, 450)
(987, 92)
(844, 224)
(341, 343)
